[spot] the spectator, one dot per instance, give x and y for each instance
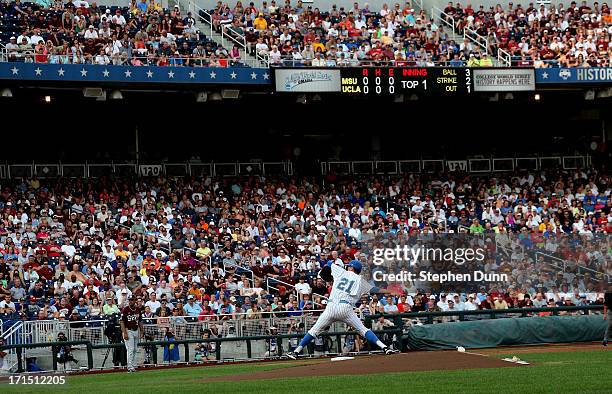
(192, 308)
(110, 308)
(390, 307)
(7, 306)
(95, 309)
(17, 291)
(500, 303)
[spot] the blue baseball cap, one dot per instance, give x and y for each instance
(356, 265)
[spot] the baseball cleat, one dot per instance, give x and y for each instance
(605, 343)
(292, 355)
(390, 351)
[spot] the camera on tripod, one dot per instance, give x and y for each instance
(112, 331)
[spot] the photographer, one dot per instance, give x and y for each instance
(64, 353)
(294, 328)
(132, 330)
(272, 343)
(205, 350)
(114, 335)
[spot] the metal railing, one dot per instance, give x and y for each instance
(248, 352)
(194, 8)
(227, 33)
(260, 345)
(477, 39)
(136, 61)
(12, 336)
(270, 282)
(480, 165)
(290, 62)
(504, 58)
(470, 34)
(562, 265)
(95, 170)
(463, 315)
(234, 37)
(445, 19)
(418, 4)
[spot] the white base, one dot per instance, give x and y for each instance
(342, 358)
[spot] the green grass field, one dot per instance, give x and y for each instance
(560, 372)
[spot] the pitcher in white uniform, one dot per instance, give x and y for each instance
(348, 288)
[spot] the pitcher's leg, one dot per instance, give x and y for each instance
(354, 321)
(326, 318)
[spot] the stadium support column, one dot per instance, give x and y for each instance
(136, 144)
(375, 143)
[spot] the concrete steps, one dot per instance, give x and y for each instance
(213, 35)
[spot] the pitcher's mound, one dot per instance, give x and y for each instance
(402, 362)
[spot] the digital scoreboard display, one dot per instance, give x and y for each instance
(381, 81)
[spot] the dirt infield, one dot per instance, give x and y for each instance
(404, 362)
(550, 348)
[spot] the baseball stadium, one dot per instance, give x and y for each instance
(329, 196)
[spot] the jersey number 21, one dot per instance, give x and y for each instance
(342, 285)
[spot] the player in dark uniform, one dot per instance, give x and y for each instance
(132, 330)
(607, 316)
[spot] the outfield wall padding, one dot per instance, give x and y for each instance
(506, 332)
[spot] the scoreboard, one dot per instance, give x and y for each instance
(384, 81)
(393, 81)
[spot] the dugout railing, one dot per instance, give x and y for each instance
(465, 315)
(231, 348)
(187, 352)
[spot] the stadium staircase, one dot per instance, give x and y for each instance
(449, 24)
(227, 38)
(12, 334)
(561, 265)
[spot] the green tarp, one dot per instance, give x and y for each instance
(506, 332)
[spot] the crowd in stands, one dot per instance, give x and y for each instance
(303, 35)
(213, 248)
(540, 35)
(77, 32)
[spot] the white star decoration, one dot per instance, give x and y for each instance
(545, 75)
(171, 73)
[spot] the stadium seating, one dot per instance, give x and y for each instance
(121, 36)
(247, 240)
(300, 35)
(293, 35)
(540, 35)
